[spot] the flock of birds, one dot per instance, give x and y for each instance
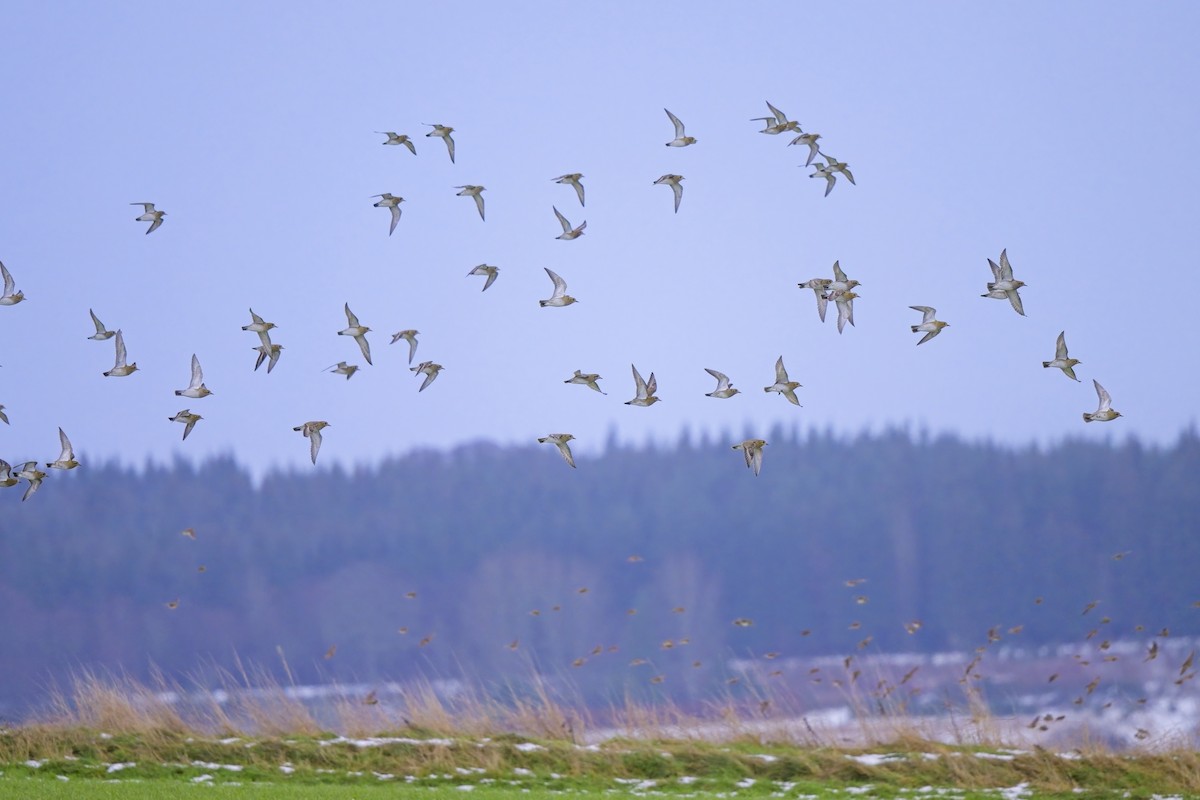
(839, 289)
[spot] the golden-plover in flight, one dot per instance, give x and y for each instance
(358, 332)
(560, 440)
(845, 306)
(392, 203)
(187, 418)
(674, 182)
(101, 333)
(399, 138)
(429, 369)
(820, 287)
(443, 131)
(261, 327)
(312, 432)
(834, 165)
(120, 368)
(809, 139)
(572, 179)
(30, 472)
(269, 353)
(155, 218)
(1061, 359)
(11, 296)
(1004, 286)
(473, 191)
(568, 233)
(724, 387)
(342, 368)
(66, 457)
(645, 390)
(485, 269)
(824, 171)
(196, 388)
(587, 379)
(776, 123)
(560, 297)
(6, 477)
(409, 336)
(752, 449)
(1103, 413)
(681, 139)
(929, 326)
(783, 385)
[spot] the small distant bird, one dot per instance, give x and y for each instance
(196, 388)
(845, 306)
(752, 449)
(1004, 285)
(1061, 359)
(645, 390)
(724, 387)
(681, 139)
(560, 440)
(6, 478)
(572, 179)
(409, 336)
(834, 165)
(189, 533)
(392, 203)
(1104, 413)
(429, 369)
(172, 604)
(783, 385)
(489, 271)
(188, 419)
(777, 123)
(560, 297)
(312, 432)
(101, 333)
(265, 352)
(155, 218)
(443, 131)
(358, 332)
(331, 652)
(929, 325)
(31, 473)
(819, 286)
(676, 187)
(823, 171)
(743, 622)
(10, 297)
(261, 327)
(568, 233)
(372, 698)
(342, 368)
(120, 368)
(587, 379)
(473, 191)
(399, 138)
(66, 458)
(809, 139)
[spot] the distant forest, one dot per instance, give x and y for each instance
(518, 562)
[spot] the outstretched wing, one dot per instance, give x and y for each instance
(566, 226)
(678, 125)
(1060, 347)
(781, 375)
(353, 320)
(560, 286)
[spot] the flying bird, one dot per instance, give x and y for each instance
(845, 306)
(409, 336)
(1004, 286)
(820, 287)
(489, 271)
(265, 352)
(10, 297)
(681, 139)
(6, 478)
(783, 385)
(645, 390)
(473, 191)
(312, 432)
(676, 187)
(155, 218)
(196, 387)
(66, 458)
(31, 473)
(101, 333)
(587, 379)
(834, 165)
(358, 332)
(824, 171)
(120, 368)
(572, 179)
(1104, 413)
(1061, 359)
(261, 327)
(724, 387)
(568, 233)
(752, 449)
(342, 368)
(443, 131)
(777, 123)
(399, 138)
(559, 297)
(188, 419)
(429, 369)
(392, 203)
(809, 139)
(930, 326)
(560, 440)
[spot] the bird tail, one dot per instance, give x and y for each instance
(914, 328)
(1087, 417)
(542, 303)
(1045, 363)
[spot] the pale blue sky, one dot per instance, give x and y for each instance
(1065, 132)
